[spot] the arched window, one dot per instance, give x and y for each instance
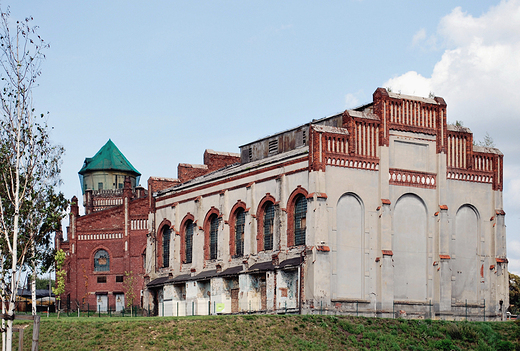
(213, 237)
(188, 242)
(268, 226)
(240, 220)
(166, 246)
(296, 217)
(101, 261)
(300, 214)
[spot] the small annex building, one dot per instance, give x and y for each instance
(109, 240)
(375, 210)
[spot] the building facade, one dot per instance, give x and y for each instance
(105, 248)
(379, 209)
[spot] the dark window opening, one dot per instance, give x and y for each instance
(102, 279)
(189, 242)
(300, 214)
(100, 186)
(213, 237)
(166, 246)
(119, 278)
(239, 232)
(268, 226)
(101, 261)
(250, 154)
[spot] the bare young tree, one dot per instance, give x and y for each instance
(29, 163)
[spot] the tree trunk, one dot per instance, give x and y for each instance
(33, 281)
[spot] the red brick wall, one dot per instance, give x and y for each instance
(82, 280)
(187, 172)
(217, 160)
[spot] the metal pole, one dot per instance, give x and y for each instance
(193, 308)
(209, 307)
(466, 309)
(177, 308)
(357, 308)
(484, 310)
(430, 309)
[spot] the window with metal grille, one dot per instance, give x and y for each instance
(250, 154)
(268, 226)
(188, 249)
(101, 261)
(166, 246)
(300, 214)
(273, 147)
(213, 237)
(239, 232)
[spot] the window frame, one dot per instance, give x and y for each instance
(260, 235)
(291, 212)
(239, 206)
(211, 229)
(188, 219)
(97, 266)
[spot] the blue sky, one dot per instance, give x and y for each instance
(166, 80)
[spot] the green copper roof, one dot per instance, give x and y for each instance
(108, 158)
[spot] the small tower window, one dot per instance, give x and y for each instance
(189, 242)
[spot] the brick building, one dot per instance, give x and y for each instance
(382, 208)
(110, 239)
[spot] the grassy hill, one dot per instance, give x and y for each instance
(271, 332)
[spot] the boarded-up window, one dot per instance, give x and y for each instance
(239, 232)
(300, 214)
(268, 226)
(101, 261)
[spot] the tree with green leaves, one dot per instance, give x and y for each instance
(129, 285)
(514, 293)
(29, 162)
(60, 277)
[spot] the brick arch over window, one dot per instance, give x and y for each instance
(163, 244)
(211, 223)
(262, 226)
(187, 231)
(296, 217)
(236, 229)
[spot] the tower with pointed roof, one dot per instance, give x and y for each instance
(103, 178)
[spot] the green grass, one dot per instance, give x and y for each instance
(268, 332)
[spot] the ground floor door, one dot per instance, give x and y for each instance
(102, 303)
(120, 302)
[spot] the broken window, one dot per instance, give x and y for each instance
(166, 246)
(101, 261)
(239, 232)
(300, 214)
(268, 226)
(213, 237)
(188, 242)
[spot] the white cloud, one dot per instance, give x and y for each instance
(419, 36)
(411, 83)
(479, 75)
